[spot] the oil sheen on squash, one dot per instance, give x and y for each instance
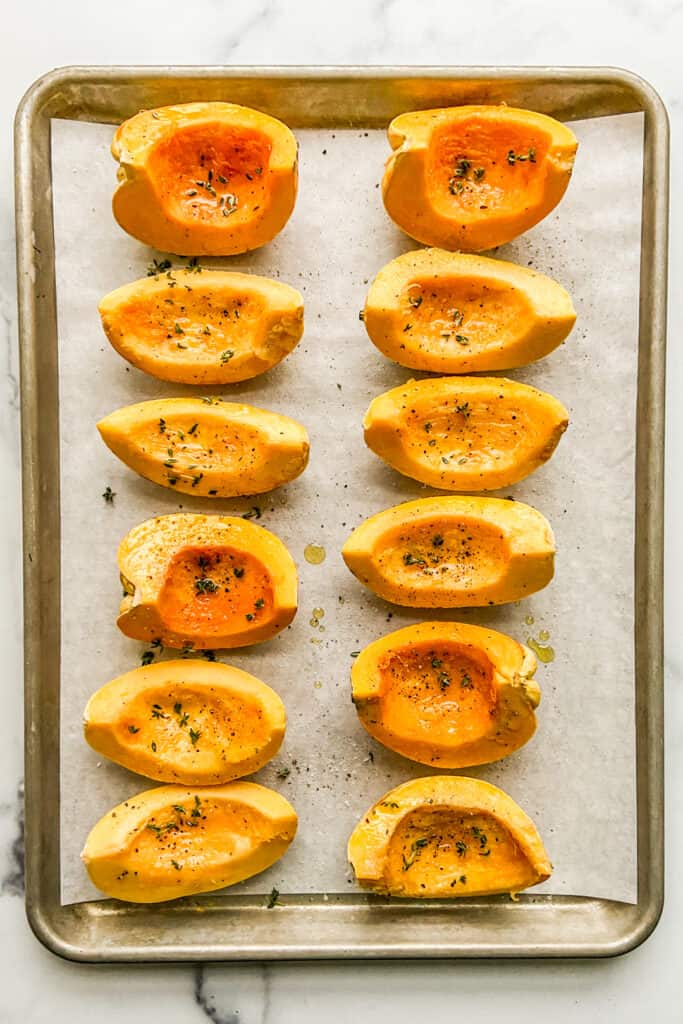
(465, 433)
(453, 552)
(205, 581)
(186, 721)
(173, 841)
(446, 836)
(198, 326)
(447, 694)
(475, 177)
(445, 312)
(207, 447)
(204, 178)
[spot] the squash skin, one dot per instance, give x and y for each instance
(447, 312)
(167, 157)
(199, 852)
(431, 188)
(233, 449)
(447, 694)
(494, 551)
(184, 325)
(159, 563)
(161, 703)
(465, 433)
(388, 855)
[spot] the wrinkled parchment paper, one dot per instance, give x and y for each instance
(576, 778)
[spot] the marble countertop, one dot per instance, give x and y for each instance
(37, 986)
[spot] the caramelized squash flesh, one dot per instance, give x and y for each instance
(474, 177)
(173, 841)
(189, 721)
(205, 581)
(207, 447)
(447, 694)
(445, 836)
(458, 313)
(465, 433)
(207, 327)
(453, 552)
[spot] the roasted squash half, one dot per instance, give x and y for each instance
(453, 552)
(203, 326)
(207, 447)
(475, 177)
(204, 178)
(172, 841)
(188, 721)
(465, 433)
(449, 312)
(205, 582)
(446, 693)
(445, 836)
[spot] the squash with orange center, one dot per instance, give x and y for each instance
(207, 447)
(204, 178)
(465, 433)
(208, 327)
(453, 552)
(189, 721)
(475, 177)
(205, 581)
(446, 836)
(446, 693)
(449, 312)
(172, 841)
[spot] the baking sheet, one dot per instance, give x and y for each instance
(577, 776)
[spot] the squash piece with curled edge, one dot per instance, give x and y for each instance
(446, 836)
(205, 581)
(172, 841)
(475, 177)
(465, 433)
(199, 179)
(207, 327)
(189, 721)
(446, 693)
(207, 447)
(449, 312)
(453, 552)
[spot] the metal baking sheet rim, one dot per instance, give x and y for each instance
(317, 927)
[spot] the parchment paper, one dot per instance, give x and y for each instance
(576, 777)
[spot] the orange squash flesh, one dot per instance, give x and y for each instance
(465, 433)
(446, 836)
(204, 178)
(447, 694)
(458, 313)
(453, 552)
(475, 177)
(203, 327)
(205, 581)
(189, 721)
(207, 447)
(172, 841)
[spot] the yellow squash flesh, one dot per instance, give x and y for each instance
(447, 694)
(207, 447)
(204, 178)
(453, 552)
(446, 836)
(451, 312)
(475, 177)
(465, 433)
(190, 722)
(205, 581)
(203, 326)
(172, 841)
